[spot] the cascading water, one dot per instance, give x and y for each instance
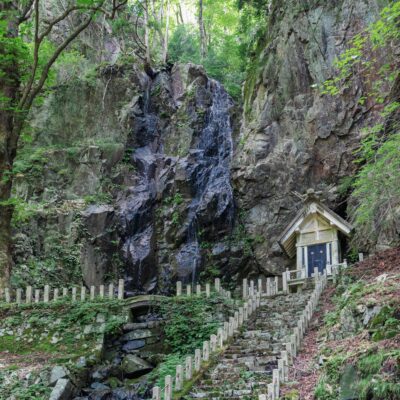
(210, 179)
(208, 191)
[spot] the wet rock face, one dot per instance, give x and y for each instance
(292, 137)
(181, 137)
(153, 155)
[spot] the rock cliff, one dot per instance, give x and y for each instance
(132, 178)
(292, 137)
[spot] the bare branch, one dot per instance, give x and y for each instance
(36, 90)
(26, 12)
(35, 55)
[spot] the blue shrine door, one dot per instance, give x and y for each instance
(316, 258)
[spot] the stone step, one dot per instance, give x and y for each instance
(245, 368)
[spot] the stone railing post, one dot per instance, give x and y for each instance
(65, 292)
(245, 312)
(188, 290)
(198, 290)
(156, 395)
(28, 295)
(213, 343)
(275, 382)
(188, 368)
(83, 293)
(92, 292)
(208, 290)
(271, 391)
(206, 351)
(55, 294)
(269, 294)
(220, 338)
(285, 359)
(259, 286)
(284, 282)
(217, 284)
(7, 295)
(37, 295)
(179, 378)
(245, 289)
(111, 291)
(168, 388)
(74, 293)
(46, 295)
(121, 288)
(276, 285)
(226, 331)
(101, 291)
(19, 296)
(251, 288)
(197, 360)
(360, 257)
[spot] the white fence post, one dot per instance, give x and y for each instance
(101, 291)
(208, 290)
(168, 388)
(156, 393)
(46, 295)
(111, 291)
(284, 282)
(217, 283)
(121, 287)
(74, 293)
(37, 295)
(197, 360)
(28, 294)
(206, 351)
(7, 295)
(245, 289)
(179, 378)
(188, 368)
(83, 293)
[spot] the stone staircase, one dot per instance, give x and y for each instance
(244, 370)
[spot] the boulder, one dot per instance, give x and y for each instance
(133, 366)
(57, 373)
(63, 390)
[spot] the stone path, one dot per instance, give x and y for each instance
(245, 368)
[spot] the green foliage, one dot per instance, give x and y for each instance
(385, 325)
(324, 391)
(190, 322)
(167, 367)
(223, 60)
(376, 195)
(60, 263)
(13, 388)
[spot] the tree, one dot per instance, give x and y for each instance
(203, 37)
(26, 59)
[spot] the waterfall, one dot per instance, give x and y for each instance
(207, 171)
(210, 179)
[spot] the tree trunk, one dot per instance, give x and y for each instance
(9, 126)
(203, 44)
(147, 33)
(166, 36)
